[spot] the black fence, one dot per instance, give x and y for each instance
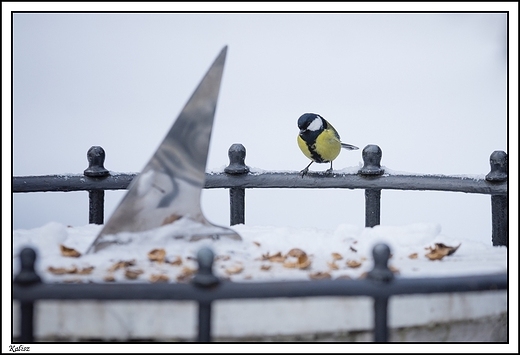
(206, 288)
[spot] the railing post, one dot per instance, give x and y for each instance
(25, 278)
(372, 155)
(204, 278)
(499, 203)
(96, 159)
(381, 274)
(237, 195)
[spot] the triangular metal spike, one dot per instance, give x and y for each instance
(169, 187)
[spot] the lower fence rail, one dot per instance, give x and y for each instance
(205, 288)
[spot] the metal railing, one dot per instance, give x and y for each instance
(205, 287)
(237, 178)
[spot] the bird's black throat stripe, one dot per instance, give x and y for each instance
(309, 137)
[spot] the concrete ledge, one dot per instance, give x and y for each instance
(474, 316)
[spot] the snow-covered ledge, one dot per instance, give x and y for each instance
(341, 252)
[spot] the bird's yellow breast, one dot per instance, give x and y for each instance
(326, 147)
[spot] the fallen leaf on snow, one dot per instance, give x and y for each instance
(393, 269)
(277, 258)
(265, 267)
(121, 264)
(336, 256)
(319, 275)
(353, 264)
(133, 274)
(86, 270)
(159, 278)
(413, 256)
(109, 278)
(69, 252)
(176, 261)
(302, 262)
(237, 269)
(256, 243)
(440, 251)
(186, 274)
(62, 270)
(157, 255)
(296, 252)
(333, 265)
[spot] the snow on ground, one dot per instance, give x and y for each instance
(345, 251)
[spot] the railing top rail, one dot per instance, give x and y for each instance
(238, 175)
(118, 181)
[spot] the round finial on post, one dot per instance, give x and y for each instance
(96, 159)
(204, 276)
(27, 275)
(499, 167)
(237, 165)
(381, 272)
(372, 155)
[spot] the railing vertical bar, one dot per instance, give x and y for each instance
(27, 322)
(204, 322)
(499, 209)
(380, 319)
(96, 206)
(372, 207)
(237, 205)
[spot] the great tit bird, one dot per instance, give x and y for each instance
(319, 141)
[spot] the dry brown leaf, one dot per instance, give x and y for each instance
(440, 251)
(277, 258)
(176, 261)
(302, 262)
(159, 278)
(353, 264)
(69, 251)
(393, 269)
(333, 266)
(319, 275)
(336, 256)
(62, 270)
(296, 252)
(133, 274)
(186, 274)
(222, 257)
(157, 255)
(237, 269)
(121, 264)
(265, 267)
(109, 278)
(86, 270)
(413, 256)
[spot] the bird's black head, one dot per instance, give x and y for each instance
(310, 122)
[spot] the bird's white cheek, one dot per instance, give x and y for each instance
(315, 125)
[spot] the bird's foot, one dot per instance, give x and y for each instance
(329, 171)
(304, 172)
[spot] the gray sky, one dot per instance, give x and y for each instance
(429, 89)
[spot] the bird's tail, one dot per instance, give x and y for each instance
(348, 146)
